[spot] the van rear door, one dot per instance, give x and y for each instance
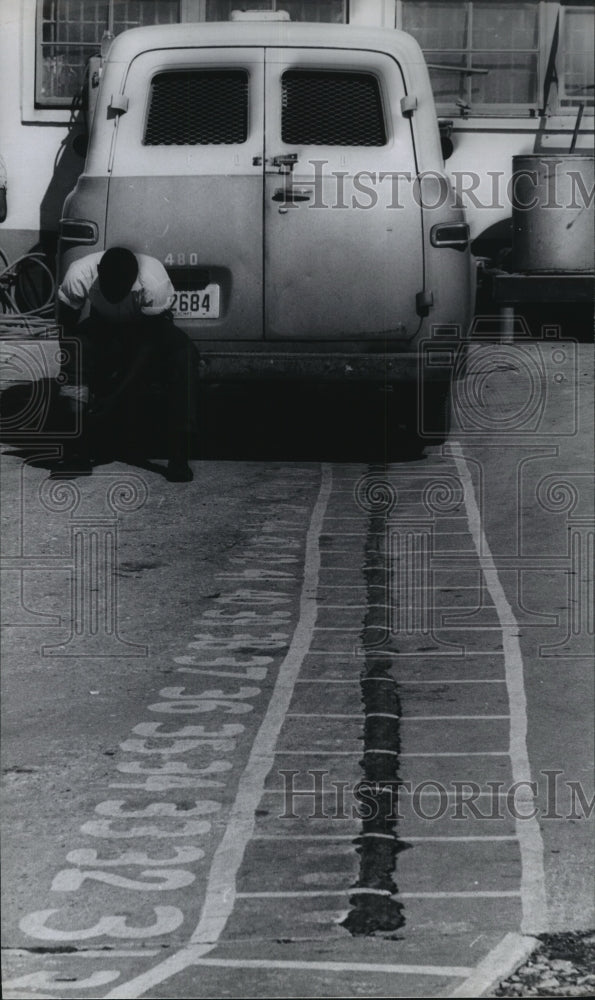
(186, 181)
(343, 233)
(276, 186)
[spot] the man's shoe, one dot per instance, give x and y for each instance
(71, 466)
(179, 472)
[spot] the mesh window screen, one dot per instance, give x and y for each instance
(192, 108)
(331, 109)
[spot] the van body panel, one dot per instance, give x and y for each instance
(299, 233)
(220, 239)
(194, 207)
(86, 202)
(339, 263)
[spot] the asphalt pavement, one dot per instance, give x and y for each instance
(319, 723)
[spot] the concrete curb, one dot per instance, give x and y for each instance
(499, 963)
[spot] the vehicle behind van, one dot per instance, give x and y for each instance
(290, 178)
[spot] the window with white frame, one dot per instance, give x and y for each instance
(70, 31)
(491, 57)
(483, 55)
(577, 56)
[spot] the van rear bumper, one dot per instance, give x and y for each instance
(405, 367)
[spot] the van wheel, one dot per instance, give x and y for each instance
(417, 419)
(433, 413)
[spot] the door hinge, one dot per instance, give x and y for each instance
(118, 104)
(423, 302)
(408, 104)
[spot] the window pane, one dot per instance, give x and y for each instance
(193, 108)
(298, 10)
(331, 109)
(505, 26)
(62, 72)
(512, 78)
(137, 14)
(497, 35)
(579, 57)
(436, 25)
(71, 32)
(448, 86)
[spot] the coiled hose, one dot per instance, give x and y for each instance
(34, 320)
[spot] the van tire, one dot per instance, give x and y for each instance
(420, 415)
(434, 413)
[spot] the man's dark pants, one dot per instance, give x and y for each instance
(156, 350)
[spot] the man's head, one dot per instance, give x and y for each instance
(117, 271)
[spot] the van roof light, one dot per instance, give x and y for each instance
(259, 15)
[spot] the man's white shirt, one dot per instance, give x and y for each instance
(151, 294)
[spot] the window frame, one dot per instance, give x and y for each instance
(55, 102)
(379, 97)
(60, 108)
(569, 104)
(193, 145)
(496, 109)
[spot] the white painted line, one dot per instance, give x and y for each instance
(342, 628)
(426, 654)
(103, 953)
(455, 680)
(462, 839)
(326, 715)
(316, 836)
(329, 680)
(456, 971)
(220, 894)
(533, 894)
(308, 893)
(402, 682)
(458, 753)
(382, 836)
(443, 718)
(390, 715)
(319, 753)
(499, 964)
(427, 753)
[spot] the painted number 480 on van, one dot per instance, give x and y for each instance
(196, 303)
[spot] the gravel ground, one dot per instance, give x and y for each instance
(562, 966)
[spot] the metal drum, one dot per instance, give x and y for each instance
(551, 214)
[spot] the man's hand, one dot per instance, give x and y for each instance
(68, 317)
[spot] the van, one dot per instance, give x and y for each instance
(290, 178)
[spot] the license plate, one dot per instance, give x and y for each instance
(197, 303)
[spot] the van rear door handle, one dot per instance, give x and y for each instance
(285, 162)
(292, 194)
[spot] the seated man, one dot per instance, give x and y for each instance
(129, 328)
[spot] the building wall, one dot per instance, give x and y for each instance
(42, 164)
(35, 188)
